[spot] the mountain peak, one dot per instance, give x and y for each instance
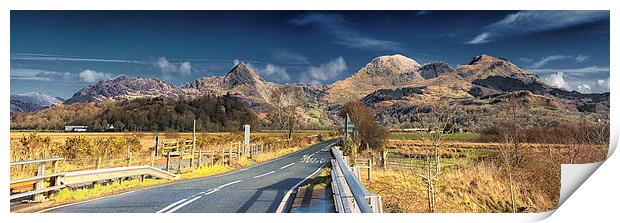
(242, 74)
(485, 58)
(395, 60)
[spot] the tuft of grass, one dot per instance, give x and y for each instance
(68, 195)
(322, 180)
(207, 171)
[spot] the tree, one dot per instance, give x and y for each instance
(285, 105)
(511, 136)
(371, 135)
(438, 118)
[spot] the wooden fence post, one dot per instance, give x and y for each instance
(129, 159)
(98, 165)
(370, 169)
(191, 159)
(152, 157)
(168, 161)
(200, 158)
(40, 183)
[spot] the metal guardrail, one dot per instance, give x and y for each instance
(75, 178)
(39, 180)
(91, 176)
(350, 195)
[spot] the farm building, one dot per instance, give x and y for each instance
(75, 128)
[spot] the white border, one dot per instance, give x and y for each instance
(595, 202)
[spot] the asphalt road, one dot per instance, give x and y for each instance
(260, 188)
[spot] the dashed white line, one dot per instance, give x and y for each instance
(183, 204)
(290, 164)
(170, 206)
(264, 174)
(228, 184)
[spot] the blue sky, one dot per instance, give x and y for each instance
(59, 52)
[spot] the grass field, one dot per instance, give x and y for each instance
(466, 136)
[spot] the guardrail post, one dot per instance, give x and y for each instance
(40, 183)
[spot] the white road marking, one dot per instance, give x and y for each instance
(264, 174)
(183, 204)
(170, 206)
(228, 184)
(290, 164)
(288, 194)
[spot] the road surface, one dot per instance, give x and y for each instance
(260, 188)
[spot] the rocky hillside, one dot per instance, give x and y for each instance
(397, 88)
(126, 88)
(482, 89)
(33, 101)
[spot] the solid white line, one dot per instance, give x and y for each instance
(290, 164)
(264, 174)
(228, 184)
(183, 204)
(288, 194)
(170, 206)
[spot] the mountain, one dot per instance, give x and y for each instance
(241, 81)
(484, 87)
(395, 86)
(383, 72)
(33, 101)
(126, 88)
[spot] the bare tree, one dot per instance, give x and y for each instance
(511, 137)
(438, 120)
(285, 105)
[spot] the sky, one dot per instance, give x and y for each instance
(59, 52)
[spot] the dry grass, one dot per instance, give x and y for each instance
(482, 188)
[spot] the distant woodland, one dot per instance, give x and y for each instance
(212, 113)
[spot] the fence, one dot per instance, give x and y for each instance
(157, 163)
(21, 187)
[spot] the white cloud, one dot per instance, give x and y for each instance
(340, 31)
(327, 71)
(557, 80)
(580, 58)
(236, 61)
(185, 68)
(480, 38)
(584, 88)
(166, 67)
(548, 59)
(52, 57)
(525, 22)
(92, 76)
(573, 71)
(271, 72)
(602, 83)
